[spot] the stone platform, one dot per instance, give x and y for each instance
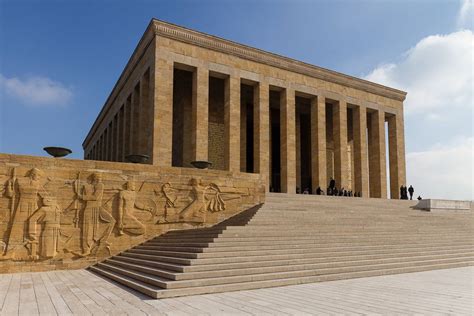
(443, 205)
(69, 293)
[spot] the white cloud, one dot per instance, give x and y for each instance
(466, 14)
(37, 91)
(436, 73)
(443, 171)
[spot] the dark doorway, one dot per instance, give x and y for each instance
(275, 162)
(182, 103)
(303, 141)
(246, 128)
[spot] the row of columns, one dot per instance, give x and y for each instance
(369, 148)
(125, 132)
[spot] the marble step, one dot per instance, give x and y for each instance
(157, 292)
(319, 236)
(235, 257)
(170, 284)
(291, 259)
(220, 247)
(218, 272)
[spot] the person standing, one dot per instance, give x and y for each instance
(411, 190)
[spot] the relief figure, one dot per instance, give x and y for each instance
(203, 199)
(170, 199)
(45, 224)
(94, 214)
(29, 190)
(127, 222)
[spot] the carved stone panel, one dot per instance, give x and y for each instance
(70, 216)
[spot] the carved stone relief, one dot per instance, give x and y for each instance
(83, 215)
(203, 198)
(24, 194)
(95, 221)
(127, 222)
(45, 224)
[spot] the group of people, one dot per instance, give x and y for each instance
(331, 190)
(404, 191)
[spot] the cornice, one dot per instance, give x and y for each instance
(215, 43)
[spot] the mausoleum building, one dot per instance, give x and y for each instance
(188, 96)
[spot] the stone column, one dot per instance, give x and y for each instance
(109, 142)
(318, 143)
(145, 140)
(99, 148)
(102, 146)
(298, 151)
(377, 163)
(232, 123)
(261, 131)
(341, 163)
(396, 151)
(121, 129)
(163, 113)
(127, 127)
(115, 138)
(200, 114)
(361, 171)
(137, 112)
(287, 141)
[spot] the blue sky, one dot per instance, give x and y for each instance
(60, 59)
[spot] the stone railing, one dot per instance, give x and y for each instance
(67, 214)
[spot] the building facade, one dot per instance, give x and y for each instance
(187, 96)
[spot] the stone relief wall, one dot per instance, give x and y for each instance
(60, 214)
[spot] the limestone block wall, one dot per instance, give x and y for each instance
(67, 214)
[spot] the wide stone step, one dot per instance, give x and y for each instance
(166, 274)
(264, 243)
(258, 269)
(317, 258)
(201, 242)
(291, 250)
(282, 255)
(157, 292)
(165, 259)
(298, 233)
(132, 283)
(168, 284)
(284, 259)
(173, 254)
(303, 245)
(152, 263)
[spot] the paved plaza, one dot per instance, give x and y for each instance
(80, 292)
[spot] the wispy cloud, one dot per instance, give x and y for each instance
(36, 91)
(466, 14)
(436, 73)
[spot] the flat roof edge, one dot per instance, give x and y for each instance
(216, 43)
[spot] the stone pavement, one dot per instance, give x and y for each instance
(80, 292)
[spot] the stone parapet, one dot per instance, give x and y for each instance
(67, 214)
(443, 205)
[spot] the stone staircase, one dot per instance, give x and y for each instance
(294, 239)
